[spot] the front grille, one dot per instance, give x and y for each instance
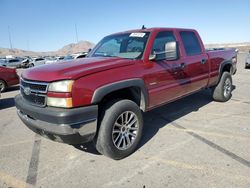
(34, 92)
(41, 87)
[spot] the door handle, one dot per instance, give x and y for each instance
(203, 61)
(179, 68)
(182, 66)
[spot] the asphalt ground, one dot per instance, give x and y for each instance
(193, 142)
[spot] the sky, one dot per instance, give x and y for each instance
(48, 25)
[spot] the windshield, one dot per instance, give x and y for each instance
(129, 46)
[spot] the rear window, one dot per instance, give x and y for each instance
(191, 43)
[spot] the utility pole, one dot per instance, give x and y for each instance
(9, 37)
(76, 34)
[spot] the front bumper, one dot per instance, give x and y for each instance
(71, 126)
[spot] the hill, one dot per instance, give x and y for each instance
(81, 46)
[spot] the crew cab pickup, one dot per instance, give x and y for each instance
(101, 98)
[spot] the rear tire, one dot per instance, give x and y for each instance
(223, 91)
(3, 86)
(120, 129)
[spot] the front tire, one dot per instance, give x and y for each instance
(3, 86)
(223, 91)
(120, 130)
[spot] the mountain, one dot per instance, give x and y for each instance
(81, 46)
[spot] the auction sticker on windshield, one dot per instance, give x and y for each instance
(137, 35)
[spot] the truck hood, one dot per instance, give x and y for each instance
(73, 69)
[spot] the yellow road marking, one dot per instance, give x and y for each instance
(223, 115)
(16, 143)
(211, 133)
(205, 169)
(12, 181)
(231, 115)
(178, 164)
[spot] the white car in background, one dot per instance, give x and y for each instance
(37, 61)
(75, 56)
(50, 60)
(247, 65)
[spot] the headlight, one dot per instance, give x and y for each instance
(60, 102)
(61, 86)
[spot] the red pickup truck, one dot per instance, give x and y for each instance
(101, 98)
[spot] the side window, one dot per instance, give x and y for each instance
(191, 43)
(161, 39)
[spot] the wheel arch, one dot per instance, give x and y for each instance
(6, 84)
(133, 89)
(226, 66)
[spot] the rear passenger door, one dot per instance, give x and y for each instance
(196, 61)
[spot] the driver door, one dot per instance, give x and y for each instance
(166, 79)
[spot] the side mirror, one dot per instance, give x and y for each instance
(170, 53)
(89, 50)
(171, 49)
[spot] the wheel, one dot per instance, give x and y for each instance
(3, 86)
(120, 129)
(223, 91)
(31, 65)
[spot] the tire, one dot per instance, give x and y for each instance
(223, 91)
(31, 65)
(120, 129)
(3, 86)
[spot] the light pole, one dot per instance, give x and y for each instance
(76, 34)
(9, 37)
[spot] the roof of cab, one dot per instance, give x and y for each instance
(153, 29)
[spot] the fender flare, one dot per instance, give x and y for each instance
(106, 89)
(223, 64)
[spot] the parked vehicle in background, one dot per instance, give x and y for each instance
(50, 60)
(15, 63)
(247, 64)
(26, 62)
(68, 58)
(37, 61)
(2, 60)
(75, 56)
(8, 78)
(102, 98)
(81, 56)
